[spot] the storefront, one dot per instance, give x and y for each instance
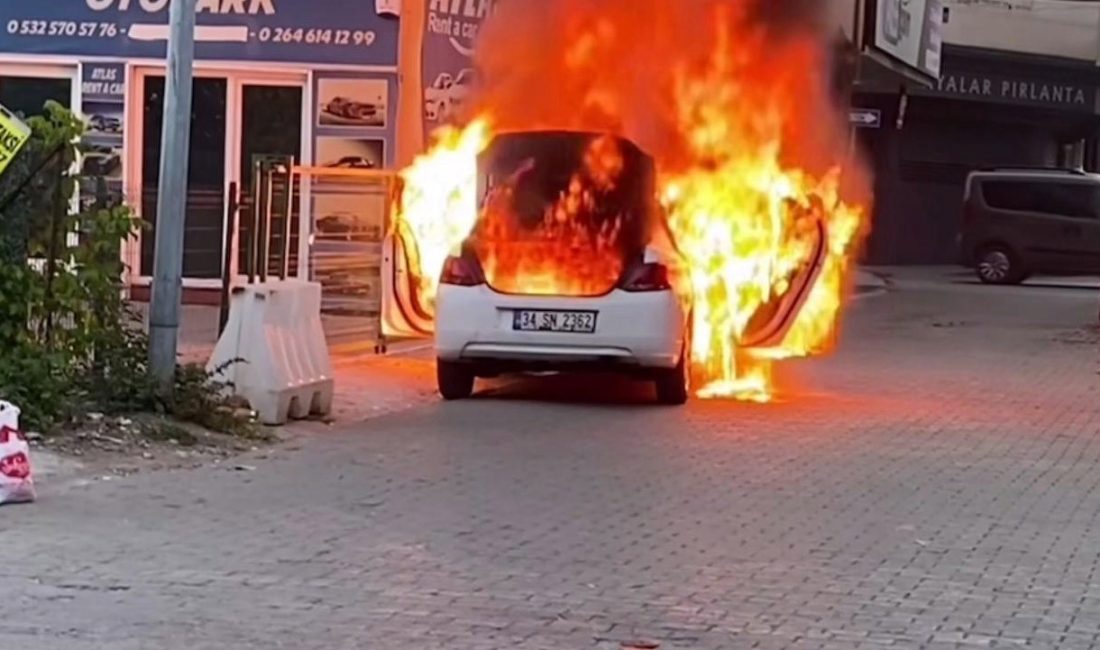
(989, 109)
(313, 80)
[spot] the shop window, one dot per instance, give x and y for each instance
(27, 96)
(1076, 200)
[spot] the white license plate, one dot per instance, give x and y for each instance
(537, 320)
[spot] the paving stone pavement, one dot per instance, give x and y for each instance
(934, 484)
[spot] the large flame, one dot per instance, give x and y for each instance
(438, 205)
(749, 148)
(563, 252)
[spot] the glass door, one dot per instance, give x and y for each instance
(270, 123)
(203, 230)
(233, 117)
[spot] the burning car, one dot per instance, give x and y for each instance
(510, 263)
(562, 269)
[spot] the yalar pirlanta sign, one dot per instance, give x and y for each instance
(340, 32)
(1009, 90)
(450, 31)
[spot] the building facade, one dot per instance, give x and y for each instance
(1018, 88)
(317, 81)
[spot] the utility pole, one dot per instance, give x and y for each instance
(164, 310)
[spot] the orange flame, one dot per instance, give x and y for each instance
(750, 152)
(562, 254)
(438, 204)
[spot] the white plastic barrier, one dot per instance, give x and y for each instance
(284, 371)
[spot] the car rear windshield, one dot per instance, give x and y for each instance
(537, 169)
(555, 204)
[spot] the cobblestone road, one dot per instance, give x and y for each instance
(933, 485)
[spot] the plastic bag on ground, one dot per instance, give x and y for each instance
(16, 482)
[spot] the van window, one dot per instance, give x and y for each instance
(1077, 200)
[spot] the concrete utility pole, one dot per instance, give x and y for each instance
(164, 310)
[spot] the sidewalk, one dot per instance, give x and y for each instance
(369, 384)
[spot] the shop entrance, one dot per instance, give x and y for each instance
(233, 117)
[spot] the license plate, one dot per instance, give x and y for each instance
(535, 320)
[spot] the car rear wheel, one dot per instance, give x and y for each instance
(672, 384)
(999, 265)
(455, 380)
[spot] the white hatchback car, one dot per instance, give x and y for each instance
(638, 326)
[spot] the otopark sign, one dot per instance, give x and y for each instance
(346, 32)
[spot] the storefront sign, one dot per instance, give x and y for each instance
(103, 91)
(910, 32)
(1035, 92)
(13, 135)
(320, 31)
(103, 82)
(451, 27)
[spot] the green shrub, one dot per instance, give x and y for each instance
(69, 341)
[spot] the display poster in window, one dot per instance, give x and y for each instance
(13, 135)
(103, 92)
(353, 128)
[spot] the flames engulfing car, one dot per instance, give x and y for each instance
(571, 265)
(561, 270)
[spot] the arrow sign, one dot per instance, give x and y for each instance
(865, 118)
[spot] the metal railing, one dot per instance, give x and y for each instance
(346, 212)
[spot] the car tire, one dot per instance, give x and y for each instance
(672, 384)
(455, 380)
(998, 264)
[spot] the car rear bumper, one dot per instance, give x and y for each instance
(475, 324)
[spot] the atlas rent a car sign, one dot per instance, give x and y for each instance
(342, 32)
(13, 135)
(450, 31)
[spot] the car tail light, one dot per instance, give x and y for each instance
(647, 277)
(462, 272)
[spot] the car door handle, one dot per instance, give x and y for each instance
(1074, 231)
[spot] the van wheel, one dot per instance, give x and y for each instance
(672, 384)
(997, 264)
(455, 380)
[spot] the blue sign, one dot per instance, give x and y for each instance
(345, 32)
(103, 82)
(450, 29)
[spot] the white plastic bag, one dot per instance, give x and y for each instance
(16, 482)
